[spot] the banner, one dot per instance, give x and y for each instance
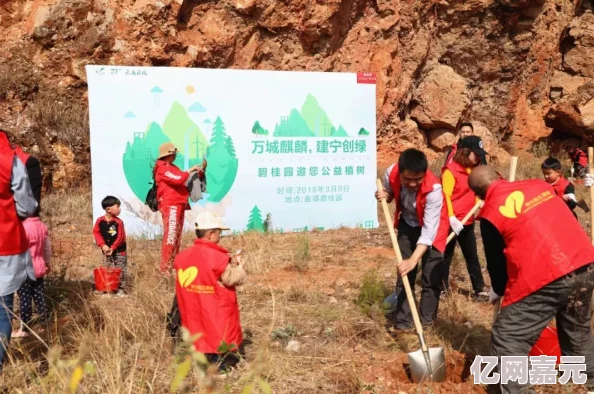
(286, 151)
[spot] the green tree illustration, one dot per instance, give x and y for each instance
(258, 129)
(230, 147)
(255, 222)
(222, 163)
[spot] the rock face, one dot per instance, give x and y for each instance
(440, 99)
(521, 68)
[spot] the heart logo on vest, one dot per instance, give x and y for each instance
(513, 205)
(187, 276)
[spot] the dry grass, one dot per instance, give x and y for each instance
(67, 119)
(321, 289)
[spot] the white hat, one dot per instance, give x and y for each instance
(209, 221)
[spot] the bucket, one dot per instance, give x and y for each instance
(107, 279)
(547, 344)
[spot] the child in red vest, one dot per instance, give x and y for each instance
(551, 170)
(110, 236)
(460, 200)
(422, 222)
(205, 291)
(580, 160)
(33, 290)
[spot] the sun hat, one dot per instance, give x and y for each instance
(166, 149)
(209, 221)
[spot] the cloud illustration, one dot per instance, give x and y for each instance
(197, 107)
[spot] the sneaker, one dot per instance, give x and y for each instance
(443, 295)
(20, 334)
(223, 372)
(482, 295)
(98, 293)
(121, 294)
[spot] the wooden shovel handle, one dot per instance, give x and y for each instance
(407, 289)
(591, 170)
(472, 212)
(512, 177)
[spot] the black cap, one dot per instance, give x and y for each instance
(473, 143)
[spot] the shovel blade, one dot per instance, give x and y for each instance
(419, 369)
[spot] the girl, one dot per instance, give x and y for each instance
(40, 249)
(460, 200)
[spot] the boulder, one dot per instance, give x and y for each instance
(440, 139)
(564, 84)
(440, 99)
(580, 57)
(574, 114)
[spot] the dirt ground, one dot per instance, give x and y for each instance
(311, 314)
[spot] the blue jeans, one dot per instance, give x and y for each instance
(6, 304)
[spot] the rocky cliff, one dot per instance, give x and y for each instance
(522, 70)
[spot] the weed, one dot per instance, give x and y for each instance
(372, 293)
(284, 333)
(302, 255)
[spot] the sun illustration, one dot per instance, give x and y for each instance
(190, 89)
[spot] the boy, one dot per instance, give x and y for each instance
(423, 226)
(205, 291)
(580, 160)
(551, 169)
(110, 236)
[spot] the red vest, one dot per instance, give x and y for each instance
(453, 151)
(206, 306)
(21, 154)
(560, 186)
(13, 239)
(543, 241)
(426, 187)
(580, 157)
(463, 199)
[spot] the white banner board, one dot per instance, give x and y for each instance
(298, 146)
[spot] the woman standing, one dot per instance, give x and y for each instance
(460, 200)
(172, 195)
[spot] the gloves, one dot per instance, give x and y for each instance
(456, 225)
(588, 180)
(493, 296)
(569, 197)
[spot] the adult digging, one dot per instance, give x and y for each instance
(426, 364)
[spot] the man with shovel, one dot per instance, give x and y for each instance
(423, 226)
(541, 262)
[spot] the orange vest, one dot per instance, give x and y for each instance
(13, 239)
(426, 187)
(206, 306)
(543, 241)
(463, 199)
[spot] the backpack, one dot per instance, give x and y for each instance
(151, 197)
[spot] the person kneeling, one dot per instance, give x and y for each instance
(205, 291)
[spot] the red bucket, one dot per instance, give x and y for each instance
(107, 279)
(547, 344)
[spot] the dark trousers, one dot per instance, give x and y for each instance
(520, 324)
(467, 241)
(431, 280)
(32, 290)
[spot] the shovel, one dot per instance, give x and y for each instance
(425, 364)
